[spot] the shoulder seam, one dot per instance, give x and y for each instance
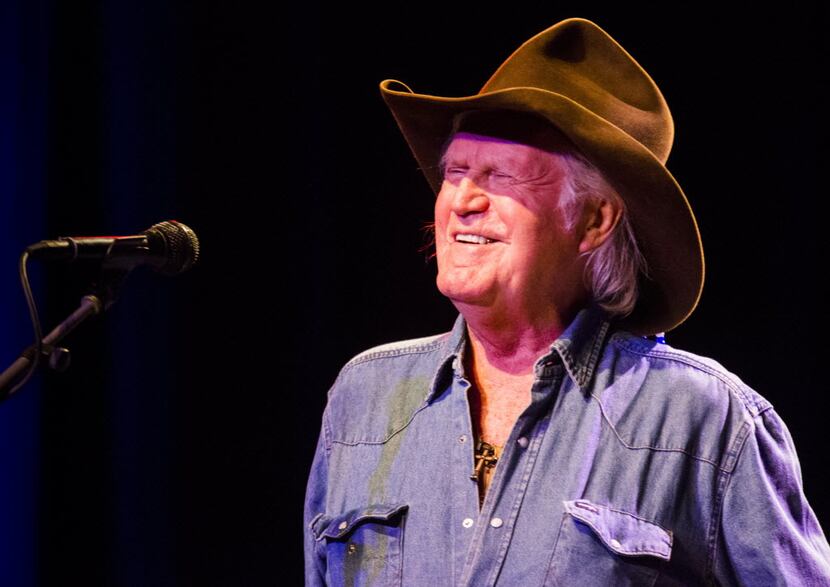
(754, 408)
(429, 344)
(724, 480)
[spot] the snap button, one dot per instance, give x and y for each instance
(467, 523)
(615, 543)
(343, 525)
(496, 522)
(523, 442)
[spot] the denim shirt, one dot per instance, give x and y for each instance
(635, 464)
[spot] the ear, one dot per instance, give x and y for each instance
(599, 220)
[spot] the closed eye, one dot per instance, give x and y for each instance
(501, 178)
(455, 172)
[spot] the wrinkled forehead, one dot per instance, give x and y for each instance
(515, 127)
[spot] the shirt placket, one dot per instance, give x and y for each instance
(494, 525)
(465, 505)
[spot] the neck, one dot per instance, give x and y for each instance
(510, 345)
(500, 363)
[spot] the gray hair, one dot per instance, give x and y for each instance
(612, 269)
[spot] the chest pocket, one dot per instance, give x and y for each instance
(598, 545)
(363, 546)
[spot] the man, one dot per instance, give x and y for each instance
(548, 439)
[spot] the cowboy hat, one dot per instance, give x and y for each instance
(575, 76)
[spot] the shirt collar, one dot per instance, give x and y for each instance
(452, 358)
(578, 348)
(580, 345)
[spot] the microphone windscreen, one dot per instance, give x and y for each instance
(180, 246)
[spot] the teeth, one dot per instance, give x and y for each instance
(472, 238)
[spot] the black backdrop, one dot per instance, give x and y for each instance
(175, 449)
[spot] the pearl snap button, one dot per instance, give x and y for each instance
(343, 525)
(523, 442)
(615, 543)
(467, 523)
(496, 522)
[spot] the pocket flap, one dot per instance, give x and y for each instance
(621, 532)
(337, 527)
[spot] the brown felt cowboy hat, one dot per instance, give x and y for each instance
(579, 79)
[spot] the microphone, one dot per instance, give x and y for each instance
(168, 247)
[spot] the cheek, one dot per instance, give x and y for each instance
(545, 242)
(442, 208)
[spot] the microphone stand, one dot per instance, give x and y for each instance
(55, 357)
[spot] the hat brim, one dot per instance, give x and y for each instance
(662, 219)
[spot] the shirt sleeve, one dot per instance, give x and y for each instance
(769, 534)
(315, 501)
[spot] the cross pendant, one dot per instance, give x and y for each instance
(485, 457)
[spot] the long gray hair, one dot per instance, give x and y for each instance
(612, 269)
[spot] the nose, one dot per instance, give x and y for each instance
(469, 198)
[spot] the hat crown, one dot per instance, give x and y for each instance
(577, 59)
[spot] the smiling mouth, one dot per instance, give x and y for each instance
(473, 239)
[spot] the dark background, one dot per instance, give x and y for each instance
(175, 449)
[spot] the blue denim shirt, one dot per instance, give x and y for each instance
(635, 463)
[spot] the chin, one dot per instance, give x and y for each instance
(463, 293)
